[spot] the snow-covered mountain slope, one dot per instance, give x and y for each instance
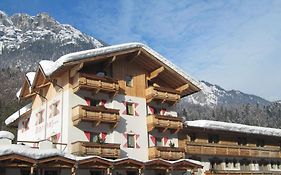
(214, 95)
(25, 40)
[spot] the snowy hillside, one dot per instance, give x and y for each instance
(25, 40)
(214, 95)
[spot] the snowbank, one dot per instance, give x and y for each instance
(6, 135)
(209, 124)
(17, 114)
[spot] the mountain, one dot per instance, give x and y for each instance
(215, 103)
(25, 40)
(213, 95)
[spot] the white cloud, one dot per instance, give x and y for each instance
(235, 44)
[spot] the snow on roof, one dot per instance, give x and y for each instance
(30, 76)
(18, 93)
(235, 127)
(6, 135)
(17, 114)
(49, 66)
(29, 152)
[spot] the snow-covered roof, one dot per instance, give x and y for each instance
(33, 153)
(17, 114)
(28, 152)
(30, 76)
(235, 127)
(50, 67)
(6, 135)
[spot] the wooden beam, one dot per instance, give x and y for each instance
(108, 63)
(155, 73)
(134, 58)
(183, 88)
(75, 69)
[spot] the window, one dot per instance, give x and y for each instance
(131, 173)
(2, 171)
(25, 172)
(242, 141)
(129, 81)
(54, 109)
(158, 141)
(235, 163)
(131, 140)
(94, 137)
(25, 124)
(213, 138)
(51, 172)
(96, 173)
(39, 117)
(92, 102)
(227, 163)
(129, 108)
(192, 137)
(260, 143)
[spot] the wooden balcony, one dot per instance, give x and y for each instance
(229, 150)
(95, 115)
(162, 94)
(95, 83)
(167, 153)
(106, 150)
(164, 123)
(220, 172)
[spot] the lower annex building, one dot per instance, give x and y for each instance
(111, 111)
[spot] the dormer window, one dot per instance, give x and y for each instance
(129, 81)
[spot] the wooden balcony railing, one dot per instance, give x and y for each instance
(107, 150)
(95, 83)
(162, 94)
(95, 114)
(164, 122)
(216, 172)
(167, 153)
(231, 150)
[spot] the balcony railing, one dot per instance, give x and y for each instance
(231, 150)
(107, 150)
(220, 172)
(164, 122)
(95, 114)
(167, 153)
(95, 83)
(162, 94)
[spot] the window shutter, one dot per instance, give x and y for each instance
(88, 135)
(103, 135)
(88, 101)
(151, 109)
(135, 109)
(125, 111)
(152, 138)
(165, 140)
(126, 141)
(137, 145)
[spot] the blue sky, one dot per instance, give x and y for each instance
(235, 44)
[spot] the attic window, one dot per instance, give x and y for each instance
(129, 81)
